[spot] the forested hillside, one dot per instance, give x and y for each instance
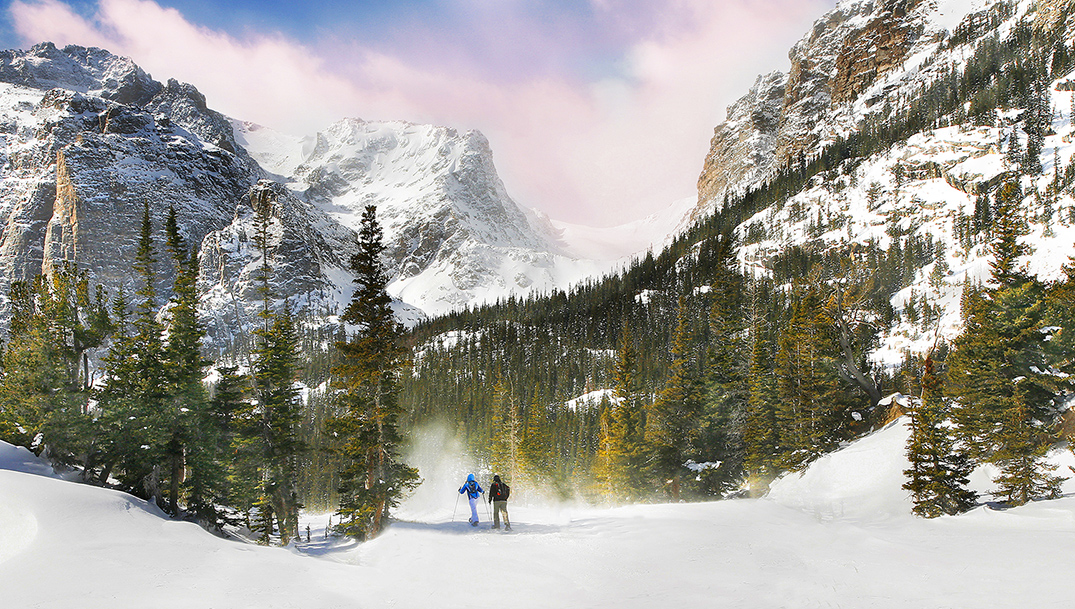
(710, 370)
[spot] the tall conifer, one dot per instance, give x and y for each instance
(939, 472)
(138, 421)
(374, 477)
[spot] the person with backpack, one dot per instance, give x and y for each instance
(498, 496)
(472, 490)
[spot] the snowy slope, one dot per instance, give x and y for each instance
(838, 535)
(452, 233)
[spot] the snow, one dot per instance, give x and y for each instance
(593, 398)
(839, 534)
(951, 12)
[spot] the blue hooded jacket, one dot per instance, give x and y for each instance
(471, 488)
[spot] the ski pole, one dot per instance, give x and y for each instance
(488, 511)
(456, 507)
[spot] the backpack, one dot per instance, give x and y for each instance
(503, 490)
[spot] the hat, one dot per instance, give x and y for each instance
(496, 478)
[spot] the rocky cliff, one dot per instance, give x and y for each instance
(77, 164)
(853, 59)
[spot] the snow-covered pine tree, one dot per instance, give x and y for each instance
(1008, 226)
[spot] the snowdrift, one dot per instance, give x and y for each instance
(839, 534)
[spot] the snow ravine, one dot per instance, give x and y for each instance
(821, 540)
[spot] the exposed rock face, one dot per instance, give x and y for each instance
(77, 170)
(80, 160)
(844, 58)
(1052, 13)
(877, 48)
(305, 249)
(743, 147)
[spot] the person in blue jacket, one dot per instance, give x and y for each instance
(473, 491)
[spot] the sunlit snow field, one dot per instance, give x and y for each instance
(838, 536)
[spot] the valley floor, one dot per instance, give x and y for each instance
(70, 545)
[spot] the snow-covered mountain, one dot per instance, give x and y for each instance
(863, 57)
(452, 233)
(87, 138)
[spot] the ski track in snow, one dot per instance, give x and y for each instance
(838, 535)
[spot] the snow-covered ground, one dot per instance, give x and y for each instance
(840, 535)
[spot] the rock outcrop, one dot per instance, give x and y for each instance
(853, 53)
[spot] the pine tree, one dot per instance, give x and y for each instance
(674, 419)
(721, 434)
(280, 408)
(810, 406)
(939, 472)
(1008, 226)
(268, 426)
(374, 477)
(507, 431)
(1023, 444)
(200, 434)
(761, 438)
(138, 422)
(623, 450)
(1006, 413)
(44, 390)
(536, 447)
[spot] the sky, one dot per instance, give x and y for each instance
(599, 112)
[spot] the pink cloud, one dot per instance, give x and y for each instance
(601, 149)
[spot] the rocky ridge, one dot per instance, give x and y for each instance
(859, 58)
(926, 188)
